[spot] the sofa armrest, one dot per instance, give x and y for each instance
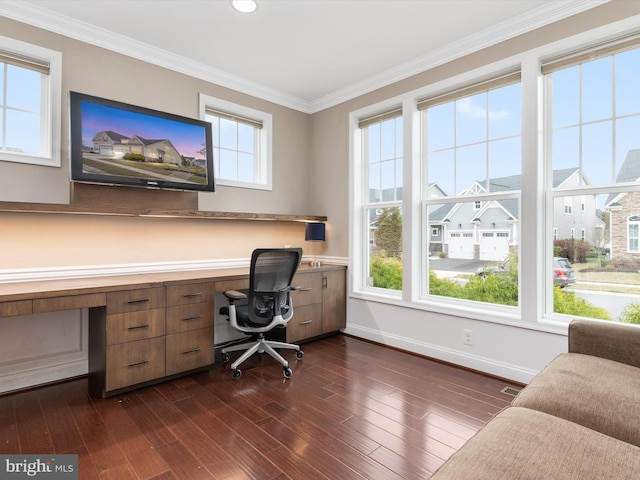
(619, 342)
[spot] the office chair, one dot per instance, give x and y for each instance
(268, 305)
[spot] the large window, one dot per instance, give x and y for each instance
(593, 133)
(471, 143)
(382, 156)
(523, 201)
(29, 103)
(241, 143)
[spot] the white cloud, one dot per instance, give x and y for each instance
(466, 107)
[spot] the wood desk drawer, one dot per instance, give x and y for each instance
(189, 293)
(135, 300)
(135, 362)
(306, 322)
(18, 307)
(223, 286)
(189, 350)
(129, 327)
(311, 284)
(181, 318)
(69, 302)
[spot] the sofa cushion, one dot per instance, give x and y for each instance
(526, 444)
(594, 392)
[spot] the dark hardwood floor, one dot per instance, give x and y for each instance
(352, 410)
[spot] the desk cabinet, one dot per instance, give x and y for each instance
(189, 327)
(145, 335)
(319, 307)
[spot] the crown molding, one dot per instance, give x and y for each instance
(82, 31)
(540, 17)
(100, 37)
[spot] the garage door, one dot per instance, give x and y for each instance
(461, 245)
(106, 150)
(494, 245)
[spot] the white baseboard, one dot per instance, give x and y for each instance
(456, 357)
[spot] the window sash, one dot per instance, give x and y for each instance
(379, 117)
(591, 53)
(23, 61)
(477, 87)
(233, 117)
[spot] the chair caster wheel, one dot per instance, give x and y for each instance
(287, 372)
(225, 357)
(299, 354)
(236, 374)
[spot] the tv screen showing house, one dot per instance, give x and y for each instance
(122, 144)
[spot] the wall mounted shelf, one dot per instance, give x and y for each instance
(105, 200)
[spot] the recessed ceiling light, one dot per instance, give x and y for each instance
(244, 6)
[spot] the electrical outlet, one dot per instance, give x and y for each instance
(467, 336)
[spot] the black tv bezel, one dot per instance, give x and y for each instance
(76, 147)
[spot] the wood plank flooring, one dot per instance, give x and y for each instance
(352, 410)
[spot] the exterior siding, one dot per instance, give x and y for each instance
(629, 206)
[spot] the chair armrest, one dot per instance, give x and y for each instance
(619, 342)
(298, 288)
(235, 295)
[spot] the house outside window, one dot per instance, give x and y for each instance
(472, 151)
(29, 103)
(592, 129)
(241, 143)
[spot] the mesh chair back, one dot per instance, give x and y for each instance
(271, 274)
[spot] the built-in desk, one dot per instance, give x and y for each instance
(146, 328)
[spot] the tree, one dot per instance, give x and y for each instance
(388, 235)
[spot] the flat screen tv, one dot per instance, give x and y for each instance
(115, 143)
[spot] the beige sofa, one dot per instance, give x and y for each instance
(578, 419)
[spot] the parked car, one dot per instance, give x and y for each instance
(563, 273)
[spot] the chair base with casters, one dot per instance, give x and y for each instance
(260, 346)
(268, 306)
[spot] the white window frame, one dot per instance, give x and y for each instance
(536, 197)
(51, 94)
(263, 162)
(568, 205)
(636, 224)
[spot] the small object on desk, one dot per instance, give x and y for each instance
(315, 232)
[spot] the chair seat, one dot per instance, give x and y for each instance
(242, 316)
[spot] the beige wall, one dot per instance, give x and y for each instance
(38, 241)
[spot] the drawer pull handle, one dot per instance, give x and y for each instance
(304, 289)
(306, 322)
(195, 317)
(141, 300)
(135, 327)
(193, 350)
(136, 364)
(195, 294)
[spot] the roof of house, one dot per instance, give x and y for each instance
(503, 184)
(629, 172)
(113, 135)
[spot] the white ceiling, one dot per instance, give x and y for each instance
(305, 54)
